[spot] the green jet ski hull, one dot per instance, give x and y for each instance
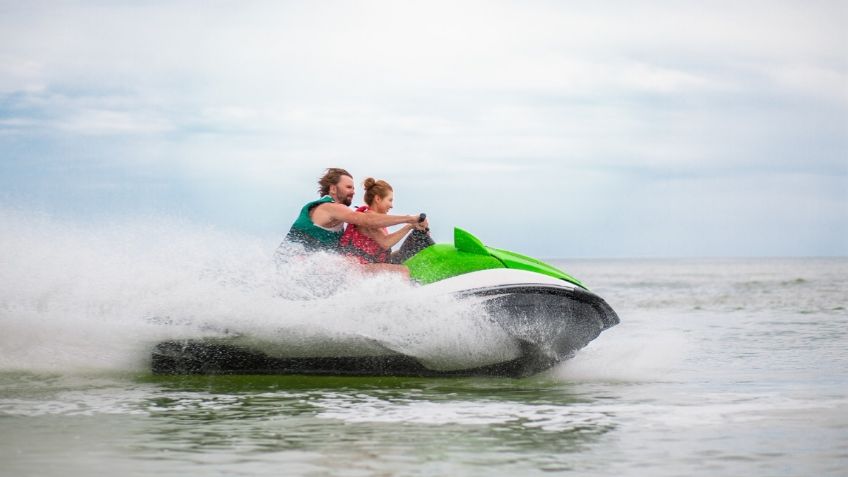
(468, 254)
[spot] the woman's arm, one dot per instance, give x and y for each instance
(386, 241)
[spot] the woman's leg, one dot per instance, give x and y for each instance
(386, 267)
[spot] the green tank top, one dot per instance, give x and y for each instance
(311, 236)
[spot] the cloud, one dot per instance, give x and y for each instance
(813, 81)
(105, 122)
(469, 101)
(20, 76)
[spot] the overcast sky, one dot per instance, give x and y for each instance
(557, 129)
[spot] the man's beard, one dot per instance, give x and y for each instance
(347, 200)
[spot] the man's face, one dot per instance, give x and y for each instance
(343, 191)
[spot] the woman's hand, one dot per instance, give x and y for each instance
(422, 226)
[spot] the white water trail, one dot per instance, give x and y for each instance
(77, 297)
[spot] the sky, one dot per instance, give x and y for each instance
(552, 128)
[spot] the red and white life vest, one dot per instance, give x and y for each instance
(362, 247)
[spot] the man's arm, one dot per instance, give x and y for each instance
(339, 212)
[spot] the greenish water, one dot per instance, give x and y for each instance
(270, 425)
(305, 425)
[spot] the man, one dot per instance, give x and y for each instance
(320, 224)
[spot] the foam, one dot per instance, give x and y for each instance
(97, 296)
(628, 353)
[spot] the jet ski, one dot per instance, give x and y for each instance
(547, 314)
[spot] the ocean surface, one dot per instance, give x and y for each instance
(719, 366)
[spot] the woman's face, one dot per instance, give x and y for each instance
(382, 205)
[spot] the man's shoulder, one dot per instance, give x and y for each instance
(328, 210)
(330, 205)
(321, 201)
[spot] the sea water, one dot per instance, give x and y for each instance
(719, 366)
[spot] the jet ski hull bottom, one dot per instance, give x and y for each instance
(549, 321)
(210, 358)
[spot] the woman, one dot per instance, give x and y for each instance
(372, 247)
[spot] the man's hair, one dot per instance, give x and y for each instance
(331, 177)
